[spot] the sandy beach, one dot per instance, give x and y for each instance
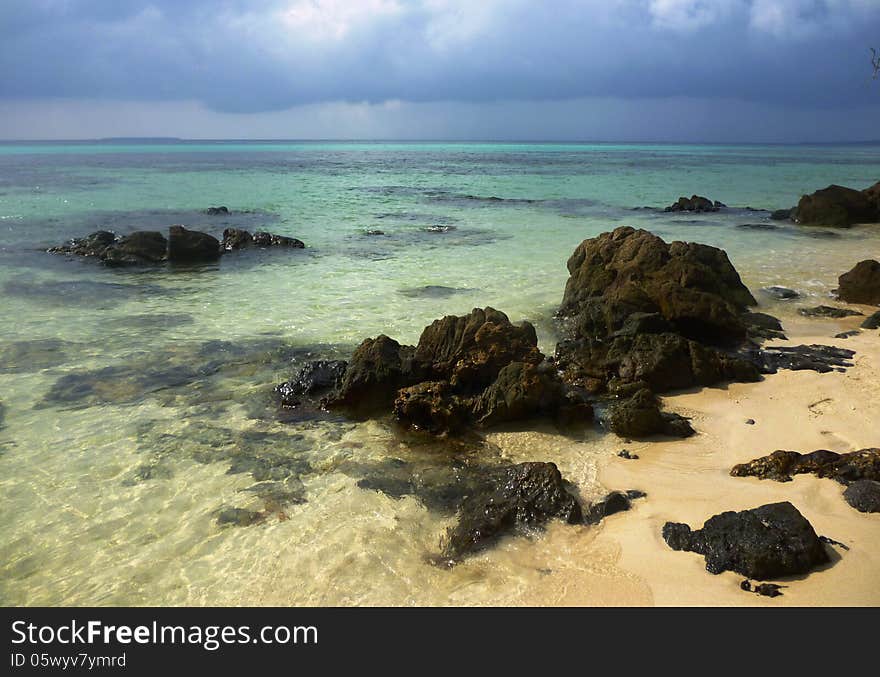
(689, 481)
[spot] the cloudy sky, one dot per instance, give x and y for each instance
(640, 70)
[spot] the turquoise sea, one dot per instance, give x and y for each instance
(136, 405)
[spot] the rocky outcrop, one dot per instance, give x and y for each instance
(518, 498)
(838, 206)
(861, 284)
(782, 465)
(639, 416)
(766, 542)
(191, 246)
(477, 369)
(695, 203)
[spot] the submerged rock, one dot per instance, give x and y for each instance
(863, 495)
(522, 497)
(828, 311)
(836, 206)
(315, 379)
(695, 203)
(782, 465)
(766, 542)
(239, 517)
(861, 284)
(217, 211)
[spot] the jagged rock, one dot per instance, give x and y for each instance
(216, 211)
(191, 246)
(822, 359)
(692, 286)
(236, 238)
(861, 284)
(522, 390)
(781, 465)
(766, 542)
(432, 406)
(863, 495)
(639, 416)
(780, 293)
(828, 311)
(616, 501)
(782, 214)
(872, 322)
(836, 206)
(695, 203)
(523, 496)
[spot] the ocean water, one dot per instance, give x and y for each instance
(136, 404)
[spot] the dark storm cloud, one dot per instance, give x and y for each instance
(263, 55)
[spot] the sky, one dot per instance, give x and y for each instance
(594, 70)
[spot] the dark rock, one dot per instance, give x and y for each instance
(692, 286)
(695, 203)
(640, 416)
(769, 589)
(780, 293)
(216, 211)
(766, 542)
(432, 406)
(831, 541)
(521, 497)
(625, 453)
(239, 517)
(836, 206)
(861, 284)
(863, 495)
(873, 322)
(758, 226)
(315, 379)
(782, 465)
(522, 390)
(822, 359)
(263, 239)
(92, 245)
(191, 246)
(750, 421)
(142, 247)
(236, 238)
(762, 321)
(828, 311)
(616, 501)
(847, 334)
(374, 232)
(782, 214)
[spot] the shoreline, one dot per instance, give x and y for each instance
(688, 480)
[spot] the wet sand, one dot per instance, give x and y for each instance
(688, 480)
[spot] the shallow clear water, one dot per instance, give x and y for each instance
(127, 394)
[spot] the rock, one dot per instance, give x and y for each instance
(191, 246)
(236, 238)
(522, 390)
(695, 203)
(873, 322)
(640, 416)
(835, 206)
(822, 359)
(780, 293)
(828, 311)
(770, 541)
(521, 497)
(374, 232)
(313, 380)
(863, 495)
(142, 247)
(92, 245)
(625, 453)
(263, 239)
(847, 334)
(782, 465)
(763, 326)
(616, 501)
(750, 421)
(692, 286)
(782, 214)
(432, 406)
(216, 211)
(763, 589)
(861, 284)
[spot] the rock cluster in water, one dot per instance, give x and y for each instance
(695, 203)
(148, 248)
(766, 542)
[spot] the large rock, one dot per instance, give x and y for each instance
(863, 495)
(639, 416)
(861, 284)
(191, 246)
(692, 286)
(236, 238)
(520, 497)
(782, 465)
(142, 247)
(767, 542)
(836, 206)
(695, 203)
